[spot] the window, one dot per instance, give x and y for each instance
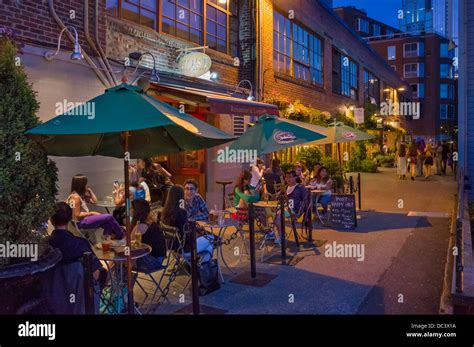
(345, 76)
(371, 88)
(414, 70)
(394, 67)
(296, 52)
(418, 90)
(446, 111)
(362, 25)
(445, 52)
(414, 49)
(376, 30)
(216, 28)
(183, 18)
(391, 52)
(389, 33)
(281, 43)
(143, 12)
(111, 7)
(445, 71)
(446, 91)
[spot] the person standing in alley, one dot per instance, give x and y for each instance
(402, 161)
(438, 155)
(428, 162)
(421, 157)
(412, 157)
(444, 156)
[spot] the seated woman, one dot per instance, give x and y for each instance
(243, 192)
(146, 225)
(156, 177)
(322, 181)
(174, 214)
(119, 212)
(77, 200)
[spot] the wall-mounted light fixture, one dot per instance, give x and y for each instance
(214, 76)
(250, 91)
(76, 53)
(138, 56)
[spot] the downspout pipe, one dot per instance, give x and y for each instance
(60, 23)
(99, 47)
(92, 45)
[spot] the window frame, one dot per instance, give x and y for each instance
(394, 56)
(418, 69)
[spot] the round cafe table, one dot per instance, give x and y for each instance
(219, 230)
(106, 204)
(118, 284)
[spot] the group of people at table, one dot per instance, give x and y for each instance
(179, 204)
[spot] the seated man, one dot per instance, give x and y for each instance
(194, 203)
(72, 247)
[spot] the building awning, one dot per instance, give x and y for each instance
(216, 102)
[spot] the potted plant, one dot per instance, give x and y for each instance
(27, 190)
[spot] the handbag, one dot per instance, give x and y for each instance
(208, 277)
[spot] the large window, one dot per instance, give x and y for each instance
(446, 91)
(414, 49)
(414, 70)
(143, 12)
(371, 88)
(445, 71)
(296, 52)
(183, 18)
(446, 111)
(391, 52)
(376, 30)
(418, 90)
(362, 25)
(344, 76)
(445, 52)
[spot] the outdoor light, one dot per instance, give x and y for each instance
(214, 76)
(76, 53)
(402, 89)
(250, 97)
(222, 2)
(138, 56)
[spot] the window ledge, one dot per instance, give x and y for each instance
(287, 78)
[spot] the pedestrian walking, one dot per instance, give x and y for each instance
(402, 161)
(438, 157)
(444, 156)
(428, 163)
(412, 156)
(421, 157)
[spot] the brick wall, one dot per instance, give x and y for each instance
(33, 23)
(315, 18)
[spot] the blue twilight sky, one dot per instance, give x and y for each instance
(382, 10)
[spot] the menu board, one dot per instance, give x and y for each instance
(343, 212)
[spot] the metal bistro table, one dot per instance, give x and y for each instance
(118, 284)
(219, 230)
(106, 204)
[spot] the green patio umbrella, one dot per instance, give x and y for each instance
(339, 132)
(125, 122)
(272, 134)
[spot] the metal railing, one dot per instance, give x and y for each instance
(459, 274)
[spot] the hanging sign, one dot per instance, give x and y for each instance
(359, 115)
(194, 64)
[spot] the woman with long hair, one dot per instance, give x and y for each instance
(175, 215)
(78, 198)
(402, 161)
(429, 161)
(243, 192)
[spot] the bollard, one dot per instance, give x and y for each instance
(359, 192)
(194, 269)
(253, 261)
(283, 235)
(88, 283)
(351, 185)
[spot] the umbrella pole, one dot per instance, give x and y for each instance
(127, 222)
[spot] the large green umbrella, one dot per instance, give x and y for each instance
(271, 134)
(125, 122)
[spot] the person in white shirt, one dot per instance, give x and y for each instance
(257, 173)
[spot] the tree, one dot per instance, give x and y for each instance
(27, 177)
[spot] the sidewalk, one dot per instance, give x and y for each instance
(401, 271)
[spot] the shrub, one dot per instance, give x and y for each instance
(309, 156)
(368, 165)
(27, 177)
(332, 165)
(287, 166)
(385, 160)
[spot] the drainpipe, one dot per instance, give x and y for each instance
(91, 43)
(99, 47)
(99, 74)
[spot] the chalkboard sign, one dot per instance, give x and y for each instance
(343, 212)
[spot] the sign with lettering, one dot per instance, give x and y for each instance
(359, 115)
(194, 64)
(343, 211)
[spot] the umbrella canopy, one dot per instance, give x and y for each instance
(339, 132)
(154, 127)
(271, 134)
